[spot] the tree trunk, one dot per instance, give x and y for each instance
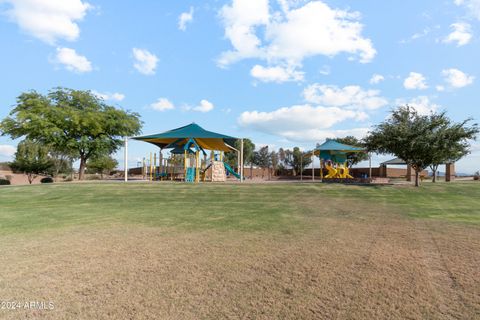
(81, 170)
(417, 178)
(434, 175)
(30, 178)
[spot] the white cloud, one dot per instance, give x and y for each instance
(421, 104)
(415, 80)
(204, 106)
(298, 122)
(440, 88)
(145, 61)
(472, 6)
(162, 104)
(109, 96)
(49, 20)
(461, 34)
(73, 61)
(184, 19)
(7, 150)
(288, 37)
(456, 78)
(376, 79)
(276, 74)
(350, 97)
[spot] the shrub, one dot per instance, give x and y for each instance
(47, 180)
(476, 176)
(4, 182)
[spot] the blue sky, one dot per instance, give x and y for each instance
(281, 72)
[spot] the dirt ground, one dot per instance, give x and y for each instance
(373, 266)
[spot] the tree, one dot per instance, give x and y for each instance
(450, 143)
(262, 158)
(413, 137)
(353, 157)
(274, 161)
(297, 159)
(102, 164)
(71, 122)
(32, 159)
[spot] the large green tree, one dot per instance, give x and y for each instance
(414, 138)
(450, 142)
(32, 159)
(71, 122)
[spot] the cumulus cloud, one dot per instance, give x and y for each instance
(456, 78)
(184, 19)
(289, 36)
(49, 20)
(376, 78)
(276, 74)
(414, 81)
(7, 150)
(116, 96)
(472, 6)
(461, 34)
(421, 104)
(350, 97)
(204, 106)
(162, 104)
(302, 122)
(73, 61)
(145, 61)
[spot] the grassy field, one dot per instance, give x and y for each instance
(209, 251)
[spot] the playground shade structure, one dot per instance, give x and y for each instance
(179, 137)
(193, 139)
(333, 155)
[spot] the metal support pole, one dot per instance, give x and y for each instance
(126, 159)
(313, 167)
(151, 166)
(241, 160)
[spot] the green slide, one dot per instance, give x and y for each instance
(229, 169)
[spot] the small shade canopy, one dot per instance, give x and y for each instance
(396, 161)
(183, 136)
(335, 151)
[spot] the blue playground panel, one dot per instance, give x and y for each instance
(190, 176)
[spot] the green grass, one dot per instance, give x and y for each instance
(263, 207)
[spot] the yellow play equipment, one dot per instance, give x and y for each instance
(340, 172)
(334, 158)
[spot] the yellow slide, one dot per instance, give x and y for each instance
(332, 172)
(343, 172)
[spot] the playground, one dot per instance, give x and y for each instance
(192, 143)
(197, 155)
(180, 250)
